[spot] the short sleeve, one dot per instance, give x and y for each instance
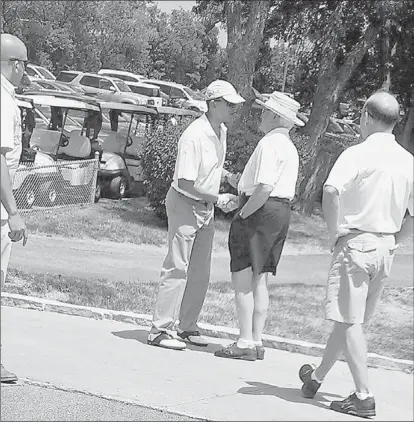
(269, 165)
(188, 158)
(344, 171)
(7, 124)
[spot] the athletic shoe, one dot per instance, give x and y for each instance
(352, 405)
(310, 387)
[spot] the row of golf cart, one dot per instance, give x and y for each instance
(66, 134)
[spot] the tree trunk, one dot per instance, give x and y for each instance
(407, 140)
(331, 83)
(243, 43)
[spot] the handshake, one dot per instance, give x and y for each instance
(227, 202)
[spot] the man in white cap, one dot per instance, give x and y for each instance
(13, 229)
(259, 229)
(368, 207)
(190, 210)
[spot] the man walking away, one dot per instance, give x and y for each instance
(365, 203)
(13, 229)
(190, 210)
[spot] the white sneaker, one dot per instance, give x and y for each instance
(165, 340)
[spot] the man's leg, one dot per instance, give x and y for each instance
(6, 247)
(261, 305)
(198, 279)
(181, 234)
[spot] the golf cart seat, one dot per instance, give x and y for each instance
(79, 146)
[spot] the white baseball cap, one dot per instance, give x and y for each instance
(222, 89)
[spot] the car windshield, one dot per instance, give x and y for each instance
(45, 73)
(194, 95)
(123, 87)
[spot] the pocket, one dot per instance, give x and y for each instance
(362, 255)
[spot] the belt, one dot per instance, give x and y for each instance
(376, 233)
(284, 201)
(190, 200)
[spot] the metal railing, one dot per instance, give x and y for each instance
(62, 184)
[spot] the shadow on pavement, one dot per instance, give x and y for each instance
(293, 395)
(142, 335)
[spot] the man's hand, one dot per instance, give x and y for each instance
(18, 230)
(334, 236)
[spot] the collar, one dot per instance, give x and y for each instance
(380, 136)
(281, 130)
(209, 129)
(7, 85)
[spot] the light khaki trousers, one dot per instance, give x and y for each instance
(185, 273)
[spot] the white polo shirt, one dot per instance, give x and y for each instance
(375, 183)
(274, 162)
(201, 157)
(11, 131)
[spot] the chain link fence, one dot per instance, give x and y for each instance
(62, 184)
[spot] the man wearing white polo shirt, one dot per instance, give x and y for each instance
(190, 210)
(13, 229)
(368, 207)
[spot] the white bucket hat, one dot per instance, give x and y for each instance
(284, 106)
(222, 89)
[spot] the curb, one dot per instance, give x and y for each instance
(273, 342)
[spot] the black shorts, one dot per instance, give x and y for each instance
(257, 241)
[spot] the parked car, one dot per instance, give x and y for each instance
(39, 72)
(41, 84)
(120, 74)
(180, 95)
(103, 87)
(152, 91)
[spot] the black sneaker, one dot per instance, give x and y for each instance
(352, 405)
(310, 387)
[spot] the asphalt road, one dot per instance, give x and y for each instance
(23, 402)
(142, 263)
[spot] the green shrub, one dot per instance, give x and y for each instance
(158, 162)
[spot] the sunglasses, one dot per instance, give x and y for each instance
(23, 62)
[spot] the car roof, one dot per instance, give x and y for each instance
(174, 84)
(119, 72)
(143, 84)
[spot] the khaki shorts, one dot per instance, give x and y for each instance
(360, 265)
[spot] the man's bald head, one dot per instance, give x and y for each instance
(13, 58)
(384, 108)
(12, 48)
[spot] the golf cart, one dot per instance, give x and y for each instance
(32, 181)
(61, 137)
(120, 171)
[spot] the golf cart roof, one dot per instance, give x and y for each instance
(23, 102)
(63, 101)
(177, 111)
(127, 108)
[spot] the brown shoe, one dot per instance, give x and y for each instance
(7, 376)
(235, 352)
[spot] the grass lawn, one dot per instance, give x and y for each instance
(296, 311)
(133, 221)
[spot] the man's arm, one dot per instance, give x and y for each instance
(330, 208)
(188, 186)
(406, 231)
(16, 224)
(258, 199)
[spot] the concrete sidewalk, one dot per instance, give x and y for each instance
(111, 359)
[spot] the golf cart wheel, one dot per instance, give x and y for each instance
(25, 198)
(98, 192)
(118, 187)
(48, 194)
